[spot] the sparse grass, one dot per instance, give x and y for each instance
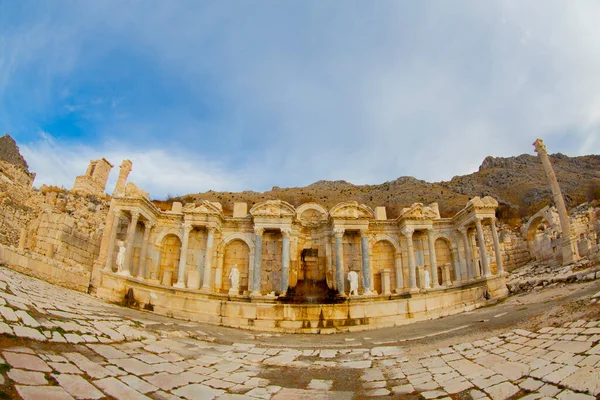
(4, 368)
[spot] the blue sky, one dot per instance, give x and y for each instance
(239, 95)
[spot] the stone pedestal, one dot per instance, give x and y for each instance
(193, 280)
(167, 278)
(446, 277)
(421, 275)
(386, 287)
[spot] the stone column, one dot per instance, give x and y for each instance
(187, 228)
(285, 260)
(399, 274)
(432, 259)
(112, 241)
(569, 250)
(208, 256)
(23, 239)
(456, 262)
(219, 272)
(446, 275)
(496, 246)
(129, 243)
(366, 264)
(485, 265)
(468, 253)
(142, 271)
(339, 259)
(122, 179)
(412, 271)
(258, 237)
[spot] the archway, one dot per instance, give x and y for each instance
(383, 257)
(237, 254)
(443, 256)
(170, 250)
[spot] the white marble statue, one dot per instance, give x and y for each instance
(427, 280)
(234, 280)
(353, 279)
(121, 256)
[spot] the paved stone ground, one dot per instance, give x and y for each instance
(60, 344)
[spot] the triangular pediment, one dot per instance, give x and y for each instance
(206, 207)
(418, 212)
(351, 210)
(273, 209)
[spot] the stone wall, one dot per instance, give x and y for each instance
(53, 271)
(56, 236)
(515, 252)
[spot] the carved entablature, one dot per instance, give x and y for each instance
(351, 210)
(273, 209)
(418, 212)
(312, 214)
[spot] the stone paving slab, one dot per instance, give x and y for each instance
(134, 363)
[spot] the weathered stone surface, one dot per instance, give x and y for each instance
(26, 361)
(27, 377)
(584, 380)
(198, 392)
(118, 389)
(43, 392)
(78, 387)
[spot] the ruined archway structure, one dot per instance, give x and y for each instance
(275, 245)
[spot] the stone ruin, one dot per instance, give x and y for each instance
(291, 265)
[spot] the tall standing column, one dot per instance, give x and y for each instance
(258, 238)
(208, 256)
(412, 270)
(456, 263)
(482, 251)
(569, 247)
(432, 258)
(399, 274)
(219, 272)
(468, 252)
(129, 243)
(285, 260)
(187, 228)
(366, 262)
(124, 171)
(496, 246)
(112, 242)
(142, 270)
(339, 259)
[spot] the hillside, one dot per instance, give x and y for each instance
(519, 184)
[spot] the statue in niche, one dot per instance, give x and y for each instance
(234, 280)
(353, 279)
(121, 256)
(427, 280)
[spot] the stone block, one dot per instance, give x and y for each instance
(193, 280)
(240, 210)
(167, 278)
(380, 213)
(176, 207)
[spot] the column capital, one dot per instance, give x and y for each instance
(338, 232)
(211, 227)
(259, 231)
(364, 233)
(462, 230)
(286, 232)
(408, 232)
(187, 226)
(149, 224)
(478, 219)
(135, 214)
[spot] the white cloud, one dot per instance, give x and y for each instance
(58, 163)
(311, 91)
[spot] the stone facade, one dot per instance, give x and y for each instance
(268, 245)
(95, 178)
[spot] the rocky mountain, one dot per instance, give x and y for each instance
(519, 184)
(9, 152)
